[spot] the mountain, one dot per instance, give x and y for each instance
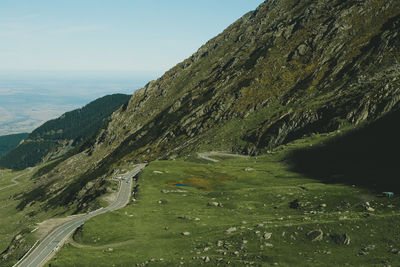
(310, 89)
(9, 142)
(286, 70)
(57, 137)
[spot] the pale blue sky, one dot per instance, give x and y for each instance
(128, 35)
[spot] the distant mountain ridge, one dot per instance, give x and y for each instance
(11, 141)
(56, 137)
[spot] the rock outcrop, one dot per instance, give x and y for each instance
(285, 70)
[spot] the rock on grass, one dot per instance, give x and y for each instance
(315, 235)
(230, 230)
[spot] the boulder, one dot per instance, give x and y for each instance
(230, 230)
(267, 236)
(315, 235)
(302, 49)
(341, 239)
(214, 204)
(395, 251)
(368, 248)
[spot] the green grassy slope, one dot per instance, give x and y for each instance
(19, 228)
(9, 142)
(284, 71)
(258, 196)
(14, 222)
(68, 131)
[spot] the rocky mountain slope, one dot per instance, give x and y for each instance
(285, 70)
(56, 137)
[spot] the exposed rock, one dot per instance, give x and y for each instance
(302, 49)
(363, 253)
(185, 233)
(370, 209)
(214, 204)
(315, 235)
(395, 251)
(267, 235)
(173, 191)
(335, 80)
(341, 239)
(230, 230)
(366, 250)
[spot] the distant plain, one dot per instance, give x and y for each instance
(28, 99)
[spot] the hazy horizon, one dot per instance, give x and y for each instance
(57, 57)
(28, 99)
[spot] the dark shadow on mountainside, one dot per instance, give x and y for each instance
(368, 157)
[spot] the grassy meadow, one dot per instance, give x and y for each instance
(13, 221)
(241, 211)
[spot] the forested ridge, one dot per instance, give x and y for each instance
(11, 141)
(60, 135)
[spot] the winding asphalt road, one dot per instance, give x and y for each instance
(54, 240)
(14, 179)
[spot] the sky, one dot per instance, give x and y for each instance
(109, 35)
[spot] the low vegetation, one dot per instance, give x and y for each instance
(241, 211)
(16, 225)
(283, 84)
(21, 228)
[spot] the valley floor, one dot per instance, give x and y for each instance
(240, 211)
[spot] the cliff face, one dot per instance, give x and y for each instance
(287, 69)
